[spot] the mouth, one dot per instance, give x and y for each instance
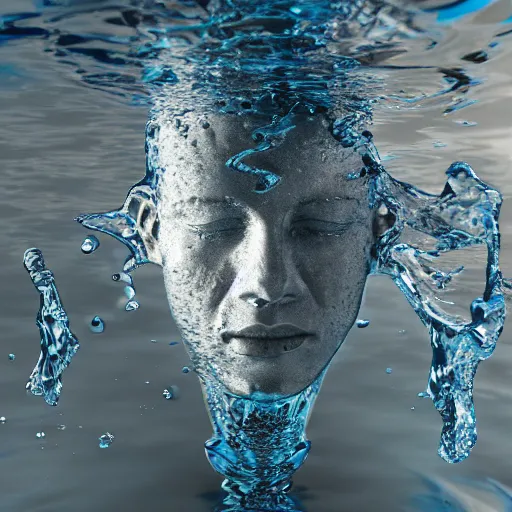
(266, 341)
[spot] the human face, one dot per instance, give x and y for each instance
(263, 287)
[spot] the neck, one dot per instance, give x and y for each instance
(258, 444)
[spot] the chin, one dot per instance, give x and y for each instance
(268, 377)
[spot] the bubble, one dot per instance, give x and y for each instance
(185, 369)
(172, 343)
(389, 370)
(90, 244)
(412, 408)
(3, 419)
(97, 325)
(439, 144)
(106, 440)
(423, 394)
(40, 435)
(154, 341)
(362, 323)
(61, 427)
(132, 305)
(12, 357)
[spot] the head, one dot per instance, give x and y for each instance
(264, 287)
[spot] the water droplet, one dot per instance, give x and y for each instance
(97, 325)
(185, 369)
(129, 291)
(362, 323)
(170, 393)
(412, 408)
(40, 435)
(90, 244)
(61, 427)
(3, 419)
(147, 382)
(124, 277)
(106, 440)
(423, 394)
(402, 331)
(154, 341)
(12, 357)
(389, 370)
(132, 305)
(439, 144)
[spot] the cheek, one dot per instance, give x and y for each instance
(197, 277)
(335, 271)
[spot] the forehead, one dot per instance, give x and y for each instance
(311, 163)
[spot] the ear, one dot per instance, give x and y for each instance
(135, 224)
(383, 221)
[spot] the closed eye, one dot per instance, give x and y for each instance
(317, 227)
(219, 228)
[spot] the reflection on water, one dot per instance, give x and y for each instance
(260, 89)
(462, 496)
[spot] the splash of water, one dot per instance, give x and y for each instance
(258, 444)
(465, 214)
(58, 343)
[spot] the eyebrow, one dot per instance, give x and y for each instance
(207, 201)
(323, 200)
(231, 202)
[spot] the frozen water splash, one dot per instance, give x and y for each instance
(465, 214)
(258, 444)
(58, 344)
(135, 224)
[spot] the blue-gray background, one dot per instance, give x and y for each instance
(67, 149)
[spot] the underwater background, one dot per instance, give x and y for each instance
(66, 149)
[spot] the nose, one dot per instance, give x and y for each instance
(267, 269)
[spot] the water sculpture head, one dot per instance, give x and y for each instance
(263, 286)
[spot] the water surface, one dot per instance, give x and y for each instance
(67, 149)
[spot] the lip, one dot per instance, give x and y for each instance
(267, 332)
(266, 341)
